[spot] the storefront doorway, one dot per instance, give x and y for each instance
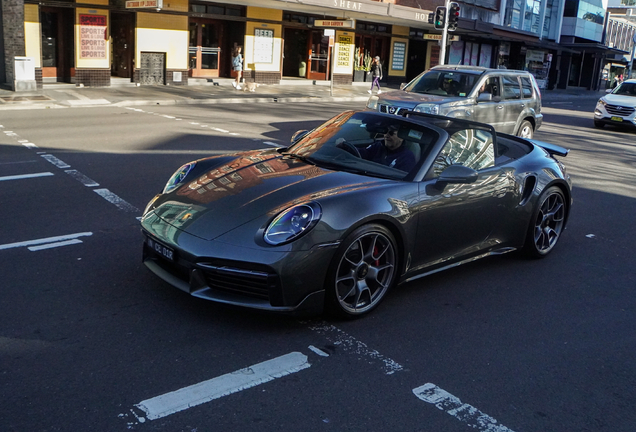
(57, 43)
(295, 53)
(205, 47)
(318, 56)
(122, 26)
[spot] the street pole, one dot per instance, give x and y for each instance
(442, 50)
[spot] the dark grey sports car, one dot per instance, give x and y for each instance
(336, 220)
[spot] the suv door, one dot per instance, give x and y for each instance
(512, 102)
(491, 111)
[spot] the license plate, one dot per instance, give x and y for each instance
(161, 249)
(616, 119)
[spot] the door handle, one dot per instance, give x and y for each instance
(499, 106)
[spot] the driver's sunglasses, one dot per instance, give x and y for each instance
(390, 133)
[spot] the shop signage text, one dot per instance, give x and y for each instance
(93, 36)
(345, 24)
(453, 38)
(131, 4)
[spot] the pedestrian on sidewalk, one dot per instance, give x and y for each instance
(237, 65)
(376, 74)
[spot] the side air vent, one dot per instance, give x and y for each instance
(528, 186)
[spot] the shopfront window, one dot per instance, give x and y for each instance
(526, 15)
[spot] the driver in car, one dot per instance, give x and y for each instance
(389, 152)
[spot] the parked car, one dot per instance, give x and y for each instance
(509, 100)
(314, 226)
(618, 107)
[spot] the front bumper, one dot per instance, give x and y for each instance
(288, 282)
(618, 116)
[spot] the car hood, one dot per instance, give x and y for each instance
(622, 100)
(250, 186)
(409, 99)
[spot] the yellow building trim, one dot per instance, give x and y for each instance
(175, 5)
(263, 47)
(264, 14)
(400, 30)
(162, 21)
(32, 36)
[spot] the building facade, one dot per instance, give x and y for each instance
(176, 42)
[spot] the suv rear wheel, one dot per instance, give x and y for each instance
(526, 130)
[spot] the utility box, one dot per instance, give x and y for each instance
(25, 74)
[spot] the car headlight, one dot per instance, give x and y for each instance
(372, 103)
(427, 108)
(601, 102)
(178, 177)
(292, 223)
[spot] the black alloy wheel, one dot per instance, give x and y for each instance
(547, 223)
(363, 270)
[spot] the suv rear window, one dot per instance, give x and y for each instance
(526, 87)
(511, 89)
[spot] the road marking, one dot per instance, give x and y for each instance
(55, 161)
(114, 199)
(470, 415)
(53, 245)
(224, 385)
(29, 145)
(318, 351)
(349, 343)
(45, 240)
(81, 178)
(26, 176)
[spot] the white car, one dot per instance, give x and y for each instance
(618, 107)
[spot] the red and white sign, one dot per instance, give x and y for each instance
(93, 36)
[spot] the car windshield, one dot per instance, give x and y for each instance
(626, 89)
(359, 142)
(443, 83)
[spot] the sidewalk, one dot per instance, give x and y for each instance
(218, 91)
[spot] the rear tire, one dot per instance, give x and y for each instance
(526, 130)
(547, 223)
(363, 270)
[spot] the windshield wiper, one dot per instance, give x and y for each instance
(299, 157)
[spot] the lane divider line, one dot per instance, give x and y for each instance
(55, 161)
(465, 413)
(114, 199)
(26, 176)
(54, 245)
(45, 240)
(224, 385)
(347, 342)
(81, 178)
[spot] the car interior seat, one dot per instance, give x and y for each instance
(411, 141)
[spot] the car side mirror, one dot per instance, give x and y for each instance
(457, 174)
(298, 136)
(609, 90)
(484, 97)
(402, 85)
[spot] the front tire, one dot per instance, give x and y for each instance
(599, 124)
(362, 271)
(526, 130)
(547, 223)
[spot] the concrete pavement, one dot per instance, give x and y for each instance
(218, 91)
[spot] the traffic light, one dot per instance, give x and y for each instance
(440, 18)
(453, 16)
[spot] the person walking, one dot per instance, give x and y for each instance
(237, 65)
(376, 74)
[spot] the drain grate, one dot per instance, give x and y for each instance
(24, 98)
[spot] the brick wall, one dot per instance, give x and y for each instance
(13, 36)
(92, 77)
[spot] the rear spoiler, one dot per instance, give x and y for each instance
(552, 149)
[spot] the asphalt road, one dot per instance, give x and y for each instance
(92, 341)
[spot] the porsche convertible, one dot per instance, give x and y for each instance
(320, 227)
